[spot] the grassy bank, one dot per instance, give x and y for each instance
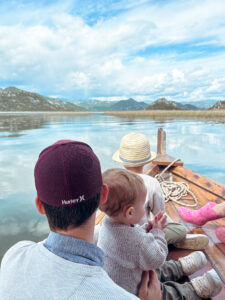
(169, 114)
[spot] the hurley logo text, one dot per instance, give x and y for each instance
(72, 201)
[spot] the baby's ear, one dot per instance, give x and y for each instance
(104, 194)
(128, 211)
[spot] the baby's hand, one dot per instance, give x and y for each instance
(148, 226)
(159, 221)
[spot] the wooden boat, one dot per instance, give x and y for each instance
(205, 190)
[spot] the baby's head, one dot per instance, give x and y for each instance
(126, 197)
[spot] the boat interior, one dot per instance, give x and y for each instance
(205, 190)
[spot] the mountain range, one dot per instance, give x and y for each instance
(131, 104)
(14, 99)
(100, 105)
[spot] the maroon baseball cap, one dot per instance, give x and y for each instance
(67, 173)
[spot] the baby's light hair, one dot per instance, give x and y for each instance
(124, 189)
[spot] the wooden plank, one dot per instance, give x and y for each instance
(201, 181)
(151, 169)
(99, 217)
(221, 295)
(161, 142)
(165, 160)
(203, 194)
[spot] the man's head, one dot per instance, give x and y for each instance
(126, 195)
(68, 182)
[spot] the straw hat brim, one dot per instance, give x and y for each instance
(116, 158)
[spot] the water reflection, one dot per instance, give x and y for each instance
(16, 230)
(165, 119)
(25, 121)
(20, 122)
(200, 144)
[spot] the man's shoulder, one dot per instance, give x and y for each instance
(83, 280)
(20, 245)
(16, 249)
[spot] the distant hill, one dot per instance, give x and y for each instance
(163, 104)
(95, 105)
(13, 99)
(100, 105)
(220, 105)
(202, 104)
(129, 104)
(187, 106)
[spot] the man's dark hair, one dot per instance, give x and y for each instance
(70, 216)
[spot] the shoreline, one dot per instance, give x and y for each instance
(164, 114)
(168, 113)
(47, 112)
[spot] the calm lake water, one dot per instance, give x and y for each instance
(200, 144)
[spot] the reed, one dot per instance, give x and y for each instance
(169, 114)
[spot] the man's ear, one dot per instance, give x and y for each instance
(39, 206)
(104, 194)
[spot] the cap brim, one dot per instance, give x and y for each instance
(116, 158)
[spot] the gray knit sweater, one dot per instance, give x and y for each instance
(129, 251)
(29, 271)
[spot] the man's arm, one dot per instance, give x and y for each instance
(150, 286)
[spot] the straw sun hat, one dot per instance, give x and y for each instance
(134, 150)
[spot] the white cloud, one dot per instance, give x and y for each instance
(199, 73)
(178, 76)
(217, 85)
(197, 94)
(77, 80)
(114, 65)
(115, 55)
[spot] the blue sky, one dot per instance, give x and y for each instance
(110, 49)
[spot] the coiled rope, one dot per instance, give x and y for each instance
(174, 191)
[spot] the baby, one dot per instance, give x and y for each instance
(131, 249)
(134, 153)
